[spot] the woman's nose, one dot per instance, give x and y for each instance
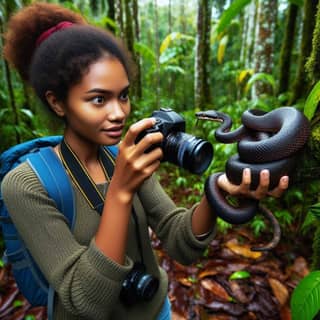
(116, 110)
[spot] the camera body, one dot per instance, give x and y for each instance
(138, 286)
(180, 148)
(167, 121)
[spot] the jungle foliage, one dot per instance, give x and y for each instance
(204, 54)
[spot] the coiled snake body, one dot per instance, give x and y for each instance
(264, 141)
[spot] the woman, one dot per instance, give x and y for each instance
(83, 75)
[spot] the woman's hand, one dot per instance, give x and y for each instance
(133, 164)
(262, 190)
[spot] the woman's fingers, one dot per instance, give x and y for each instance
(260, 192)
(263, 187)
(135, 129)
(282, 186)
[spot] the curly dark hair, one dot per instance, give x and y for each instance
(61, 60)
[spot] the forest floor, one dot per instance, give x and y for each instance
(234, 283)
(230, 282)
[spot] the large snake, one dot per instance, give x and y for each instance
(265, 141)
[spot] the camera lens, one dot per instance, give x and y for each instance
(138, 286)
(188, 152)
(147, 287)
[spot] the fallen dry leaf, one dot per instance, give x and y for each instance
(207, 273)
(216, 289)
(238, 293)
(242, 249)
(185, 282)
(279, 290)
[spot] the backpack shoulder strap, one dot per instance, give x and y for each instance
(55, 180)
(114, 150)
(108, 160)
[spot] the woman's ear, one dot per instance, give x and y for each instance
(56, 105)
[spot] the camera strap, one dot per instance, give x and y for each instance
(80, 176)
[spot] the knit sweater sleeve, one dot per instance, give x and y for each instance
(87, 282)
(172, 224)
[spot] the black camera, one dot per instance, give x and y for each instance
(180, 148)
(138, 286)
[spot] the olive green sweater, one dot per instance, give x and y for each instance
(87, 283)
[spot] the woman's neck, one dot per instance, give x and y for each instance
(88, 155)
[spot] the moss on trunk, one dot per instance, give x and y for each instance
(286, 49)
(313, 63)
(301, 84)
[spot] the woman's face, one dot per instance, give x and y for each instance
(97, 107)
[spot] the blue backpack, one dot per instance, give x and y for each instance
(51, 173)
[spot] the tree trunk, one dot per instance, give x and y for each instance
(15, 112)
(206, 53)
(248, 38)
(169, 17)
(111, 14)
(94, 5)
(264, 44)
(157, 47)
(183, 18)
(119, 18)
(301, 84)
(12, 101)
(286, 49)
(135, 9)
(313, 63)
(202, 58)
(128, 25)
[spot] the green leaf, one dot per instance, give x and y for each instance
(2, 263)
(315, 210)
(227, 16)
(305, 300)
(312, 101)
(192, 279)
(174, 69)
(145, 51)
(17, 303)
(181, 181)
(241, 274)
(261, 76)
(28, 113)
(29, 317)
(308, 222)
(171, 37)
(3, 112)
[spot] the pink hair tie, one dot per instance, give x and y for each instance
(44, 35)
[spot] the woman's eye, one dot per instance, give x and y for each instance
(124, 96)
(98, 100)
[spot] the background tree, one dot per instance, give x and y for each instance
(248, 34)
(119, 18)
(202, 58)
(135, 12)
(94, 5)
(156, 48)
(112, 14)
(264, 43)
(286, 48)
(313, 62)
(301, 84)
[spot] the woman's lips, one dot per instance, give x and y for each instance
(113, 132)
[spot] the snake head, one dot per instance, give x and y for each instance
(211, 115)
